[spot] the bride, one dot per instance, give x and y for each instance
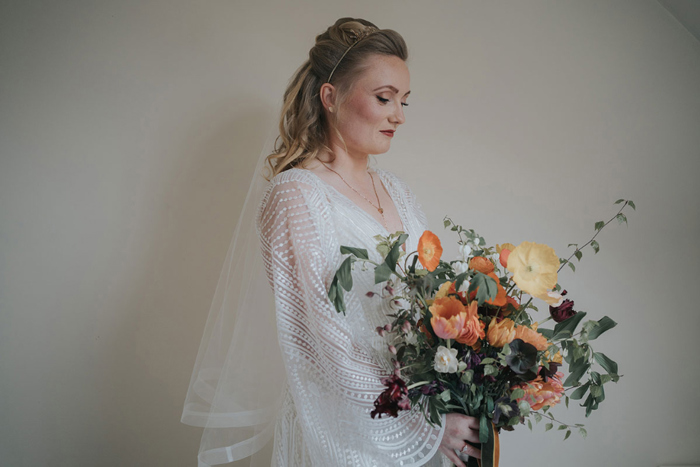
(315, 394)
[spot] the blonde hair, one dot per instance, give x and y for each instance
(303, 124)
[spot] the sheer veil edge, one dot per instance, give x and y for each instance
(238, 379)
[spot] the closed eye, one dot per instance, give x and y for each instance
(384, 101)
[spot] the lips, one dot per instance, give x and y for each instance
(388, 132)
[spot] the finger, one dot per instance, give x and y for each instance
(471, 451)
(452, 456)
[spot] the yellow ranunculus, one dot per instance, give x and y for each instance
(534, 267)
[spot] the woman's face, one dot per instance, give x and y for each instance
(374, 107)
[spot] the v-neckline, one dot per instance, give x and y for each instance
(354, 205)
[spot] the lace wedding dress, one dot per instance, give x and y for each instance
(334, 362)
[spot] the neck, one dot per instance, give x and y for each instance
(352, 166)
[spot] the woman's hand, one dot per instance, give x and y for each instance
(458, 430)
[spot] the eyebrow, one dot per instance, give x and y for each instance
(392, 88)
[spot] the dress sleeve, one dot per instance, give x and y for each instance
(333, 380)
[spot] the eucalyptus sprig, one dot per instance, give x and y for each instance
(599, 226)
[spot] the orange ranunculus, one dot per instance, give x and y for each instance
(532, 337)
(451, 320)
(539, 393)
(481, 264)
(500, 334)
(429, 250)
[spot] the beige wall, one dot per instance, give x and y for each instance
(128, 131)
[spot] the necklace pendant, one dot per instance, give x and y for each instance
(381, 211)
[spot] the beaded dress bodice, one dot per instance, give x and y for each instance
(334, 362)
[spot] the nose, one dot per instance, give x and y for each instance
(397, 116)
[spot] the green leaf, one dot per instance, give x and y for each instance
(631, 203)
(562, 427)
(486, 286)
(604, 324)
(580, 392)
(517, 394)
(607, 364)
(336, 296)
(576, 373)
(490, 370)
(621, 218)
(548, 426)
(538, 417)
(599, 225)
(578, 254)
(568, 433)
(595, 246)
(619, 201)
(359, 252)
(382, 273)
(395, 252)
(484, 429)
(583, 432)
(571, 265)
(344, 273)
(547, 333)
(566, 401)
(568, 326)
(572, 244)
(446, 223)
(529, 425)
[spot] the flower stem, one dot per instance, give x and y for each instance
(592, 238)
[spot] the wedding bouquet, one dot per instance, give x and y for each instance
(464, 339)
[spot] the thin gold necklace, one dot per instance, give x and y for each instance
(381, 211)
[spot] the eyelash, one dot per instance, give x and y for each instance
(384, 101)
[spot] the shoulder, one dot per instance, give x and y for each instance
(293, 189)
(397, 182)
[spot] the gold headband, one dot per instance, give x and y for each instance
(358, 37)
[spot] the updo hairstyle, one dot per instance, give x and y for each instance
(304, 125)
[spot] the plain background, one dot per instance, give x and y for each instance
(129, 131)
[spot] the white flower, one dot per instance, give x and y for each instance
(464, 287)
(411, 338)
(465, 250)
(460, 267)
(446, 360)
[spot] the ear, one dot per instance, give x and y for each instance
(327, 93)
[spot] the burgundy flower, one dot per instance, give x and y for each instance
(392, 399)
(433, 388)
(563, 311)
